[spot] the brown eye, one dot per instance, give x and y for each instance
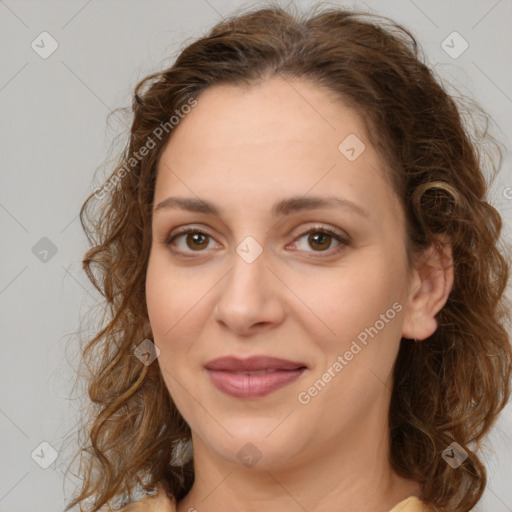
(320, 240)
(196, 240)
(189, 240)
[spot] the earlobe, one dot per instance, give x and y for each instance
(431, 284)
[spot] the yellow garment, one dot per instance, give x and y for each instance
(161, 503)
(411, 504)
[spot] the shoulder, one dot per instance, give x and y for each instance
(159, 502)
(411, 504)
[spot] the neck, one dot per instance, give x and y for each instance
(352, 474)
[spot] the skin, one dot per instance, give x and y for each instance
(244, 150)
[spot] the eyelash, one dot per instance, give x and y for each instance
(323, 230)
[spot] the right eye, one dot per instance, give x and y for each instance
(189, 240)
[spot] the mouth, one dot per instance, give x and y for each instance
(254, 377)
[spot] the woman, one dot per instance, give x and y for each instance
(304, 279)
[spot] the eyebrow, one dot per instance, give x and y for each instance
(281, 208)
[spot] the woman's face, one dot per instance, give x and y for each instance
(320, 280)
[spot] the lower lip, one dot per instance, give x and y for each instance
(242, 385)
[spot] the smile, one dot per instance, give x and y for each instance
(253, 384)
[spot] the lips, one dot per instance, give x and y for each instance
(252, 364)
(254, 377)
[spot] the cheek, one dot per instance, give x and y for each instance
(168, 305)
(344, 302)
(363, 309)
(178, 307)
(170, 297)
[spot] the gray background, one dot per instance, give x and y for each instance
(55, 138)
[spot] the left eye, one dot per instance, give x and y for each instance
(322, 239)
(196, 240)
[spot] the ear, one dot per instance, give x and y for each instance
(430, 285)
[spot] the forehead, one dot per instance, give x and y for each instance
(272, 138)
(270, 112)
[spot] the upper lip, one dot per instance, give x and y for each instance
(254, 363)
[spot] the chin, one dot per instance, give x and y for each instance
(257, 443)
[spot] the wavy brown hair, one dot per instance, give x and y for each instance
(450, 387)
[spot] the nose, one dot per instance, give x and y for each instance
(251, 298)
